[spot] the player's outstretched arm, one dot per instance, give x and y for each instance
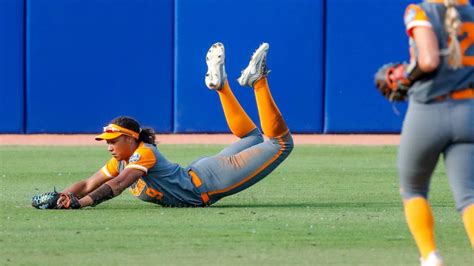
(78, 190)
(86, 186)
(111, 188)
(71, 195)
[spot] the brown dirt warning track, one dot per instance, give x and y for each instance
(88, 139)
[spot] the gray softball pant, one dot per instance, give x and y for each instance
(429, 130)
(242, 164)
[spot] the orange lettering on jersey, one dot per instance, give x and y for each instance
(153, 193)
(138, 188)
(467, 29)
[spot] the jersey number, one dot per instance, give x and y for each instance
(153, 193)
(138, 188)
(468, 29)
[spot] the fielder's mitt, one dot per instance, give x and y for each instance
(392, 83)
(46, 200)
(55, 200)
(68, 201)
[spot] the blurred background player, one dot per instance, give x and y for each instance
(440, 117)
(138, 164)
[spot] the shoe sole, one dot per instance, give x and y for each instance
(215, 60)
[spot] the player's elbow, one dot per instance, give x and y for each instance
(428, 63)
(117, 187)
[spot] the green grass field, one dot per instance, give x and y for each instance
(325, 205)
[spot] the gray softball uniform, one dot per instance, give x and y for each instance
(208, 179)
(436, 123)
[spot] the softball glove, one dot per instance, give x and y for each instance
(55, 200)
(46, 200)
(392, 83)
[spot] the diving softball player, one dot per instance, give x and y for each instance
(138, 164)
(440, 117)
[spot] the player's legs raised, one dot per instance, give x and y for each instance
(273, 124)
(216, 79)
(227, 175)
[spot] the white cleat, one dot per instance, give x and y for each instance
(433, 259)
(257, 67)
(215, 60)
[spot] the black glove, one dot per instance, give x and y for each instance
(48, 200)
(55, 200)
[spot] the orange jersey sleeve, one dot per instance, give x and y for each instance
(142, 159)
(415, 17)
(111, 169)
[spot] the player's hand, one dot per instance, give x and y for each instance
(68, 201)
(62, 201)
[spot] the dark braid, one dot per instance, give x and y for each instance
(147, 135)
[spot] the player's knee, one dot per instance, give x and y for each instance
(289, 142)
(407, 197)
(464, 202)
(408, 193)
(283, 143)
(414, 183)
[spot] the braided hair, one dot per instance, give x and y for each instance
(452, 24)
(146, 135)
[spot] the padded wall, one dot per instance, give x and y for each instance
(90, 61)
(361, 36)
(294, 29)
(11, 66)
(87, 62)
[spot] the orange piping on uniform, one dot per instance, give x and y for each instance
(197, 183)
(280, 151)
(462, 94)
(205, 198)
(196, 180)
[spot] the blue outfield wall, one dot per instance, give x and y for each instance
(90, 61)
(361, 36)
(11, 66)
(294, 29)
(71, 66)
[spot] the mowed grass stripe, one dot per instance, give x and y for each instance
(325, 205)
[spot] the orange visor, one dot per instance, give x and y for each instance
(113, 131)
